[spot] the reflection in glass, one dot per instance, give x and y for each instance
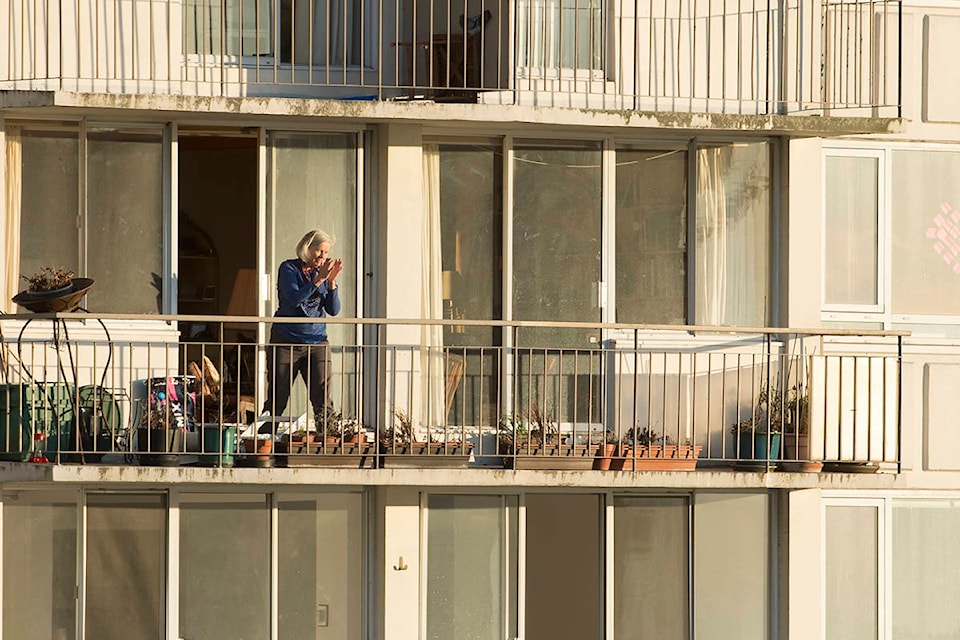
(925, 260)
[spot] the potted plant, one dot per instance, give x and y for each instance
(533, 441)
(606, 451)
(53, 289)
(646, 449)
(796, 432)
(398, 446)
(335, 442)
(757, 438)
(160, 434)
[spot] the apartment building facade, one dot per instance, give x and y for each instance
(720, 236)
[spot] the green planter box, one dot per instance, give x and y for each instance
(25, 409)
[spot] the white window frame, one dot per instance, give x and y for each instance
(882, 216)
(884, 559)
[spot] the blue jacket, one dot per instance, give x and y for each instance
(300, 298)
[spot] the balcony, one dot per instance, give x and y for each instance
(76, 389)
(792, 57)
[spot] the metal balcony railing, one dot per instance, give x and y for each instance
(724, 56)
(640, 398)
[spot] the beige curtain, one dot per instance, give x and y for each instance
(432, 370)
(10, 275)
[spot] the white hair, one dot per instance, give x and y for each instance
(312, 239)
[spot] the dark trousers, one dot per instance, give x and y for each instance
(285, 362)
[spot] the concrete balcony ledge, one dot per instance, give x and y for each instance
(136, 477)
(255, 110)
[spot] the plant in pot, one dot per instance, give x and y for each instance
(606, 451)
(757, 438)
(648, 449)
(400, 446)
(796, 432)
(161, 434)
(53, 289)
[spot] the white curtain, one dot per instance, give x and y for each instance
(733, 239)
(10, 274)
(432, 369)
(560, 34)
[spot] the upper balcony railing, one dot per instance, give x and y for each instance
(638, 398)
(717, 56)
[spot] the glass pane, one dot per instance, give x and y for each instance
(926, 233)
(651, 567)
(321, 574)
(561, 33)
(733, 234)
(39, 541)
(651, 236)
(470, 203)
(48, 200)
(126, 547)
(564, 574)
(312, 183)
(225, 567)
(556, 240)
(926, 568)
(246, 23)
(467, 569)
(850, 249)
(852, 582)
(731, 566)
(124, 240)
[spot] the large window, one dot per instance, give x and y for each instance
(308, 32)
(116, 210)
(471, 567)
(892, 259)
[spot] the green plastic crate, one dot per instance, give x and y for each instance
(25, 409)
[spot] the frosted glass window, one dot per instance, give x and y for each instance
(321, 577)
(470, 578)
(850, 241)
(225, 567)
(925, 253)
(926, 569)
(651, 240)
(651, 566)
(124, 235)
(852, 579)
(48, 200)
(733, 234)
(731, 566)
(126, 568)
(39, 541)
(556, 240)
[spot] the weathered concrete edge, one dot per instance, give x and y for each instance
(451, 114)
(132, 476)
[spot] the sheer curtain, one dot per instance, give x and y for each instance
(432, 370)
(11, 224)
(733, 234)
